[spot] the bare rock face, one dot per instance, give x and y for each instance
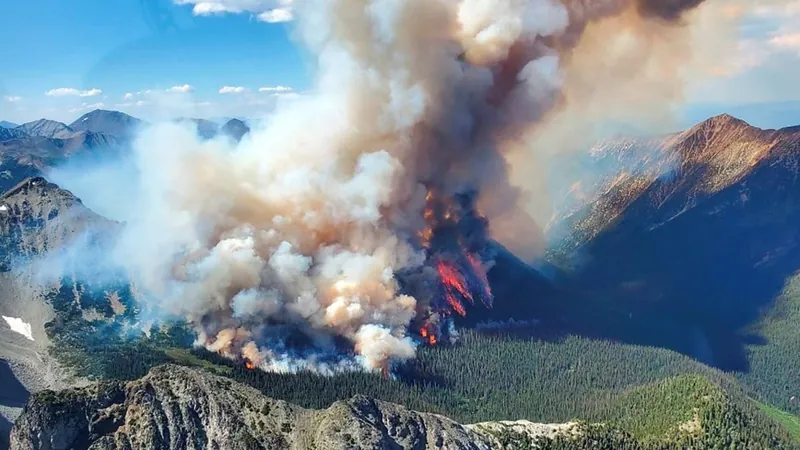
(37, 216)
(176, 407)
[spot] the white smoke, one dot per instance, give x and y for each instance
(309, 219)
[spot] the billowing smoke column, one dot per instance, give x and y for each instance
(346, 231)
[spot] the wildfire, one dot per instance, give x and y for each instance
(454, 239)
(249, 364)
(454, 286)
(428, 336)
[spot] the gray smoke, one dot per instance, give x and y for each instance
(308, 220)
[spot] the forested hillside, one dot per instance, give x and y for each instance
(641, 391)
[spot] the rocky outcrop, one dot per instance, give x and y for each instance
(175, 407)
(37, 216)
(46, 128)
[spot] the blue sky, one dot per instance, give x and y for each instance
(97, 51)
(216, 58)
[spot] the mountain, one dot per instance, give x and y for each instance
(37, 216)
(38, 221)
(7, 134)
(46, 128)
(112, 123)
(206, 129)
(174, 407)
(692, 248)
(12, 172)
(24, 156)
(6, 124)
(235, 128)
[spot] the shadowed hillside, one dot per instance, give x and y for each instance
(692, 257)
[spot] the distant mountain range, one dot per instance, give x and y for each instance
(6, 124)
(28, 149)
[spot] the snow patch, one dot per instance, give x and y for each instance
(19, 326)
(3, 208)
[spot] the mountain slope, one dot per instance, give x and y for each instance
(112, 123)
(206, 129)
(7, 124)
(7, 134)
(46, 128)
(691, 249)
(37, 216)
(178, 408)
(27, 156)
(235, 128)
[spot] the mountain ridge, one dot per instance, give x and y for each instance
(46, 128)
(109, 122)
(177, 407)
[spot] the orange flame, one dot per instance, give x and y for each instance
(428, 336)
(249, 364)
(454, 284)
(461, 270)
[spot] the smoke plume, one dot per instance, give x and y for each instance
(355, 223)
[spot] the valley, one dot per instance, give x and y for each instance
(642, 334)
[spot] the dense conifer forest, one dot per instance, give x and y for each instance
(641, 394)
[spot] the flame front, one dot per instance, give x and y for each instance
(455, 287)
(453, 238)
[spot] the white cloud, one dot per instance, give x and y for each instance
(90, 93)
(786, 41)
(276, 15)
(88, 107)
(13, 98)
(138, 103)
(64, 92)
(232, 90)
(128, 96)
(184, 88)
(265, 10)
(275, 89)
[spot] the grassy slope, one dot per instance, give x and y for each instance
(682, 412)
(774, 374)
(790, 421)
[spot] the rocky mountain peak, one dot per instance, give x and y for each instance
(47, 128)
(176, 407)
(114, 123)
(36, 215)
